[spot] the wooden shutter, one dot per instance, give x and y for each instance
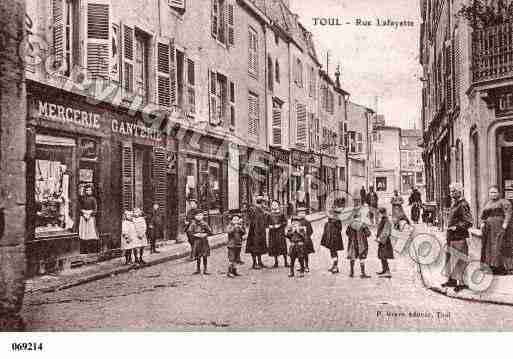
(98, 39)
(231, 24)
(232, 104)
(215, 17)
(128, 57)
(160, 176)
(301, 124)
(127, 185)
(270, 74)
(163, 73)
(213, 103)
(191, 85)
(58, 12)
(448, 74)
(177, 4)
(254, 116)
(172, 72)
(276, 126)
(457, 68)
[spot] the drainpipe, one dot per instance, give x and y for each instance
(269, 168)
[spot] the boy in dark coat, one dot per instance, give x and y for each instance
(297, 235)
(156, 227)
(235, 231)
(198, 231)
(309, 247)
(383, 237)
(256, 243)
(332, 238)
(358, 245)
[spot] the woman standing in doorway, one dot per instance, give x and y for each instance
(497, 245)
(88, 209)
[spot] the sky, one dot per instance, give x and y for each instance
(375, 60)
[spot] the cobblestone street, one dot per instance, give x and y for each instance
(168, 297)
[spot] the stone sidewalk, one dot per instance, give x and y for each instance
(500, 291)
(100, 270)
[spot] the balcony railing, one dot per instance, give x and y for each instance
(492, 49)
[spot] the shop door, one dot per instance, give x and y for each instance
(143, 187)
(173, 206)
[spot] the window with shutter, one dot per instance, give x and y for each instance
(311, 89)
(160, 176)
(98, 39)
(232, 105)
(177, 4)
(270, 73)
(172, 72)
(215, 17)
(253, 52)
(457, 67)
(59, 23)
(163, 73)
(213, 104)
(448, 75)
(302, 130)
(191, 89)
(127, 185)
(277, 71)
(276, 126)
(254, 117)
(128, 58)
(231, 24)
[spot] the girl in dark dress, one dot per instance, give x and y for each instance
(309, 247)
(198, 231)
(383, 237)
(358, 245)
(332, 238)
(277, 242)
(256, 242)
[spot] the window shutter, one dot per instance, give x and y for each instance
(127, 176)
(276, 125)
(160, 176)
(301, 124)
(128, 58)
(172, 72)
(254, 116)
(191, 83)
(214, 120)
(178, 4)
(215, 17)
(98, 39)
(457, 67)
(448, 75)
(58, 30)
(232, 104)
(270, 73)
(163, 73)
(231, 24)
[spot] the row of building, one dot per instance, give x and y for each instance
(467, 98)
(173, 101)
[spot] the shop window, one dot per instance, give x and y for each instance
(381, 184)
(203, 183)
(420, 178)
(55, 185)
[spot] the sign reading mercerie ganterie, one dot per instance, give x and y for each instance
(68, 115)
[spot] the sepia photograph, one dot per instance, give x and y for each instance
(255, 166)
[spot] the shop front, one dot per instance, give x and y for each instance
(254, 174)
(203, 169)
(279, 182)
(299, 165)
(68, 171)
(329, 178)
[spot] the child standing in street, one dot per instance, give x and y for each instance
(297, 235)
(277, 241)
(235, 233)
(332, 238)
(309, 247)
(358, 245)
(385, 249)
(156, 227)
(198, 231)
(142, 239)
(128, 237)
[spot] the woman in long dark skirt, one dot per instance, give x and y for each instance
(383, 237)
(277, 240)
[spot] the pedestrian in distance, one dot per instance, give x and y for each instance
(363, 196)
(236, 231)
(199, 231)
(458, 223)
(297, 235)
(142, 239)
(398, 213)
(128, 237)
(496, 247)
(309, 246)
(372, 201)
(256, 243)
(156, 227)
(415, 201)
(384, 239)
(332, 238)
(358, 245)
(277, 241)
(189, 218)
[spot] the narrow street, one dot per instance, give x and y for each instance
(168, 297)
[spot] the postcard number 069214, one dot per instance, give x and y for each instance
(18, 347)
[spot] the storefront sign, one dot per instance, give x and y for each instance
(329, 162)
(279, 156)
(135, 130)
(304, 158)
(68, 115)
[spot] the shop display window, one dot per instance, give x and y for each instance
(203, 184)
(54, 185)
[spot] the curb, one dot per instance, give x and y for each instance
(125, 269)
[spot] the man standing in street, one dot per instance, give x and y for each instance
(256, 243)
(458, 222)
(363, 196)
(372, 200)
